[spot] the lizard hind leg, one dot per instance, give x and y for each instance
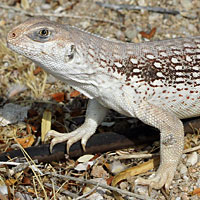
(171, 144)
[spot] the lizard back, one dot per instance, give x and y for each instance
(164, 72)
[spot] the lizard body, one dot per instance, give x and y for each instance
(157, 82)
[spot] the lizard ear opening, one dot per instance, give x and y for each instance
(70, 51)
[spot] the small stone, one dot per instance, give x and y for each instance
(85, 24)
(46, 6)
(198, 183)
(192, 159)
(119, 35)
(142, 3)
(187, 4)
(186, 178)
(184, 197)
(142, 190)
(123, 185)
(183, 169)
(131, 33)
(192, 28)
(154, 17)
(185, 188)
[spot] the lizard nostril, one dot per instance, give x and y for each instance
(13, 35)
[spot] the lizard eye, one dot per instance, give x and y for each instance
(44, 32)
(41, 35)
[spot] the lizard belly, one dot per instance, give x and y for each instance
(183, 103)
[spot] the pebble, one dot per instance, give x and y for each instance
(187, 4)
(154, 17)
(131, 33)
(123, 185)
(192, 28)
(184, 197)
(46, 6)
(85, 24)
(198, 183)
(183, 169)
(192, 159)
(142, 190)
(185, 178)
(119, 35)
(142, 3)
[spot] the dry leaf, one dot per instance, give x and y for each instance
(116, 167)
(26, 141)
(148, 35)
(85, 158)
(46, 124)
(10, 181)
(30, 190)
(26, 181)
(84, 166)
(28, 129)
(196, 191)
(75, 93)
(142, 168)
(59, 97)
(37, 70)
(98, 171)
(109, 180)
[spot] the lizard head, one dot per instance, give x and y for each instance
(42, 41)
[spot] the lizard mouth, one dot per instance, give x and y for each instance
(27, 52)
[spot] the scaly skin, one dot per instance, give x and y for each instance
(157, 82)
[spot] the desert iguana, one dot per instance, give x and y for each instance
(157, 82)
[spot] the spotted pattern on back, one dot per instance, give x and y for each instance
(165, 72)
(158, 63)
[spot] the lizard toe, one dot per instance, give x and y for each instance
(85, 138)
(155, 183)
(73, 140)
(52, 133)
(161, 178)
(58, 138)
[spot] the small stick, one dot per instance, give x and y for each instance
(65, 192)
(132, 7)
(191, 149)
(149, 155)
(124, 192)
(88, 193)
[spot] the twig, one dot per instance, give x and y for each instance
(191, 149)
(58, 15)
(87, 193)
(132, 7)
(136, 156)
(65, 192)
(150, 155)
(29, 160)
(124, 192)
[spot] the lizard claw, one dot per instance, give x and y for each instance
(79, 134)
